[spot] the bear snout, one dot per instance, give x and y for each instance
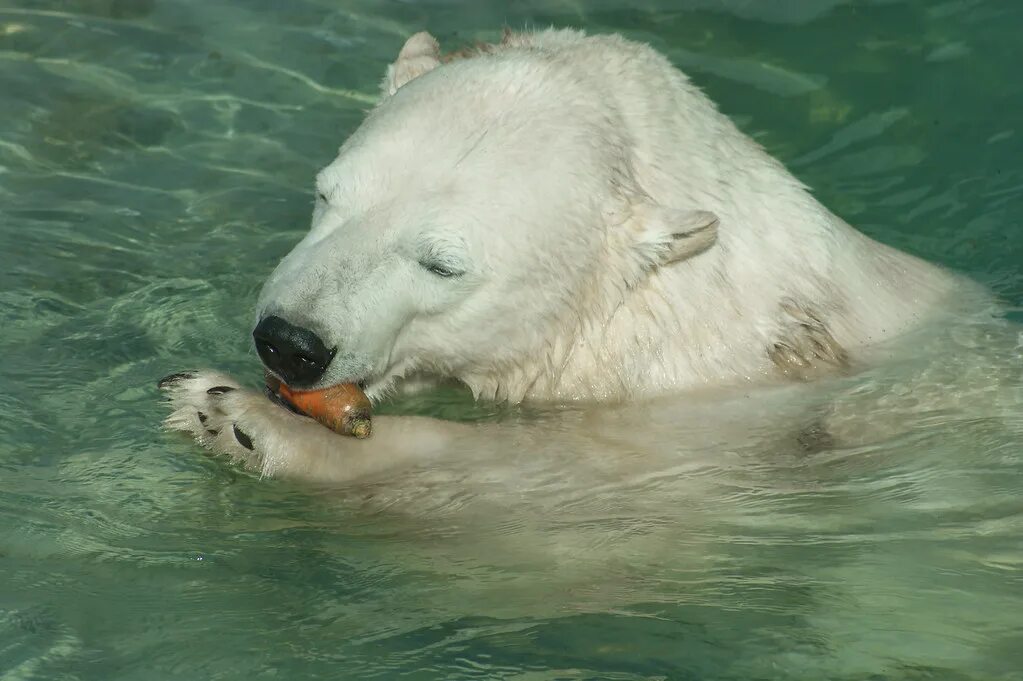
(295, 354)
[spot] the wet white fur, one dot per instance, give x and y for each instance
(557, 168)
(619, 238)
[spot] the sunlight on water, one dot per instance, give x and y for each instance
(157, 158)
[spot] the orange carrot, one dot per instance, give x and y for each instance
(343, 408)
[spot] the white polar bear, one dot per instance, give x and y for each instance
(554, 218)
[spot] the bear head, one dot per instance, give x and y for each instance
(483, 215)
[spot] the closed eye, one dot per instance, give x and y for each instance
(439, 269)
(322, 197)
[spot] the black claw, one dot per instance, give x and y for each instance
(219, 390)
(171, 379)
(202, 417)
(212, 432)
(243, 439)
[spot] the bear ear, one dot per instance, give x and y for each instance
(668, 235)
(420, 54)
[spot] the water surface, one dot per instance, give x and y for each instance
(157, 158)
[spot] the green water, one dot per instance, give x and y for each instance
(156, 159)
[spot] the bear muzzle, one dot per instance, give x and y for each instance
(295, 354)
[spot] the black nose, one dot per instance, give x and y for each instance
(296, 355)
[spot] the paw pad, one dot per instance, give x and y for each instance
(243, 439)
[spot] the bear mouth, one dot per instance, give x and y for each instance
(377, 383)
(272, 390)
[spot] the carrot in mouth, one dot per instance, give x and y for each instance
(343, 408)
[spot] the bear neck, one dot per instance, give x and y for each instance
(740, 313)
(630, 343)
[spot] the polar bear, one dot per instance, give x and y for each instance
(555, 218)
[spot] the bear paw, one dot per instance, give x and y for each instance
(222, 416)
